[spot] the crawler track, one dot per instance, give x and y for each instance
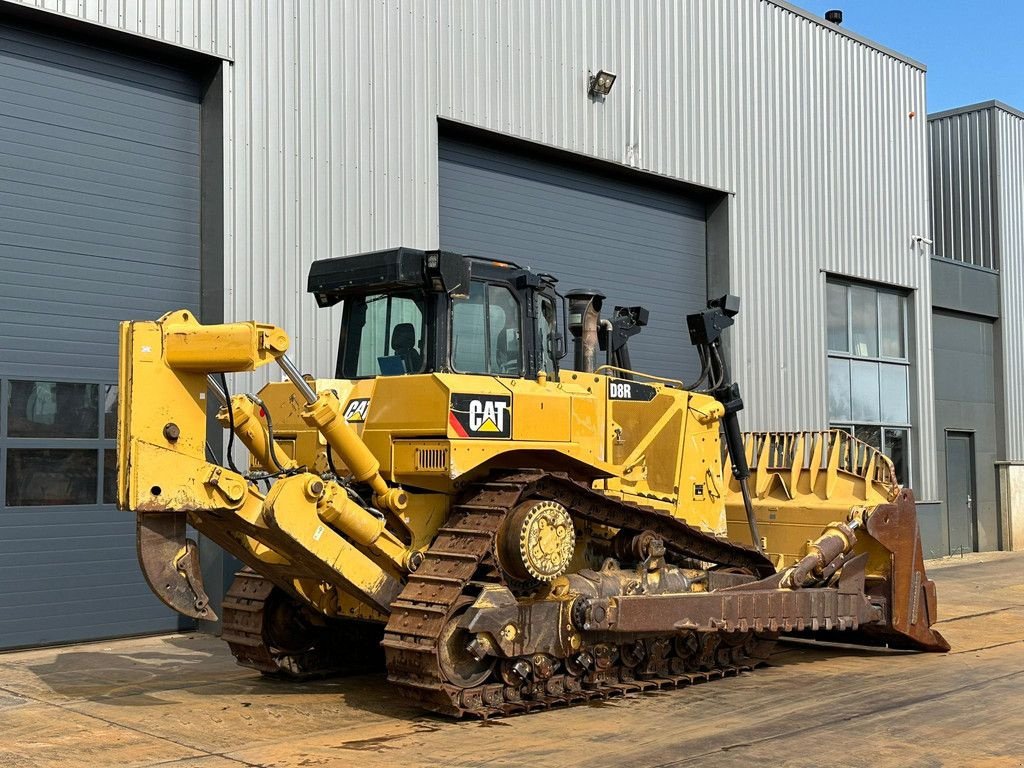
(284, 644)
(460, 561)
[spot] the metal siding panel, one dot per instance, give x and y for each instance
(99, 222)
(201, 25)
(809, 128)
(962, 187)
(1009, 175)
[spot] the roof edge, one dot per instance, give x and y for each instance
(787, 6)
(979, 107)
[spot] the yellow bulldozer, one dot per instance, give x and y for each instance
(515, 534)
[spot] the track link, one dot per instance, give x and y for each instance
(320, 650)
(460, 561)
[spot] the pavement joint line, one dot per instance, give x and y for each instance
(976, 615)
(125, 726)
(897, 705)
(222, 755)
(985, 647)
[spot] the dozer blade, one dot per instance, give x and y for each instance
(170, 563)
(804, 481)
(908, 592)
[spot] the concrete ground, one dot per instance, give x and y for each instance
(181, 701)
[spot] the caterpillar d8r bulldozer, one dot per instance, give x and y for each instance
(514, 533)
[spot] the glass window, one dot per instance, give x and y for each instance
(870, 398)
(891, 325)
(53, 409)
(895, 446)
(839, 389)
(892, 393)
(384, 336)
(109, 477)
(50, 477)
(110, 411)
(503, 323)
(485, 332)
(864, 390)
(838, 318)
(469, 344)
(864, 314)
(547, 327)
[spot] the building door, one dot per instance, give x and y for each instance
(637, 240)
(99, 222)
(960, 492)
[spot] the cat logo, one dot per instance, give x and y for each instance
(355, 412)
(485, 416)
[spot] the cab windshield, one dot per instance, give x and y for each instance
(383, 335)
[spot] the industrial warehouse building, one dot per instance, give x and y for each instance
(201, 153)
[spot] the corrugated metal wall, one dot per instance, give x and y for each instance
(333, 132)
(332, 148)
(202, 25)
(963, 187)
(1010, 186)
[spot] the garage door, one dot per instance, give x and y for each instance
(637, 243)
(99, 222)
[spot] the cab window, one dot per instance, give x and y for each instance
(547, 328)
(485, 332)
(384, 336)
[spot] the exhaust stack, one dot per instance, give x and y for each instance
(584, 319)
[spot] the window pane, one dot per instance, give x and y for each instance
(110, 477)
(838, 389)
(503, 312)
(890, 325)
(384, 335)
(53, 409)
(892, 383)
(547, 327)
(873, 437)
(838, 330)
(864, 312)
(870, 435)
(110, 411)
(406, 334)
(373, 334)
(864, 390)
(469, 354)
(50, 477)
(896, 448)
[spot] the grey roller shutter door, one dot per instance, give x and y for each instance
(99, 222)
(638, 243)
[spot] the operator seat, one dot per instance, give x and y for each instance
(403, 342)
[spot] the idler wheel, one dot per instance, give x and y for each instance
(459, 666)
(537, 541)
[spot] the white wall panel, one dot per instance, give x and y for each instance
(202, 25)
(1010, 186)
(963, 188)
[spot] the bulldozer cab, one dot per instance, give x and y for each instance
(408, 311)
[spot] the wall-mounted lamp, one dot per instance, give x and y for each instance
(601, 83)
(834, 16)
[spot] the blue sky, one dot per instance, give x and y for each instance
(974, 50)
